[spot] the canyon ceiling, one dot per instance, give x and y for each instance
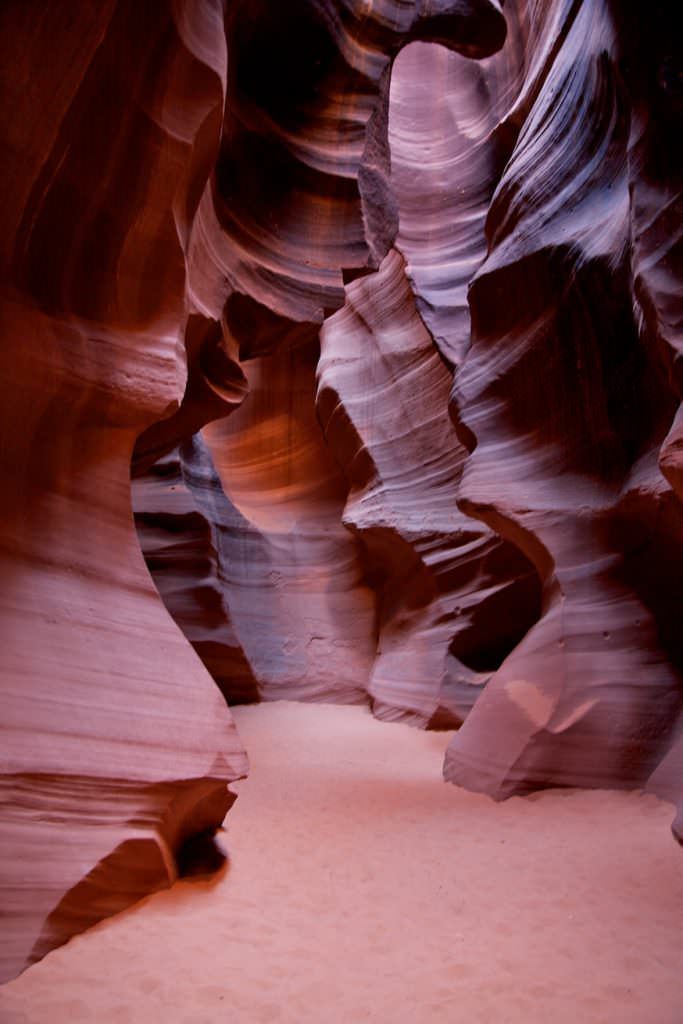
(376, 308)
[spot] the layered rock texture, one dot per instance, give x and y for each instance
(566, 397)
(116, 744)
(382, 303)
(452, 596)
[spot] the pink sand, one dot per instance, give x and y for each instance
(363, 888)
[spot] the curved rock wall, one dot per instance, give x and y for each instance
(451, 596)
(300, 201)
(534, 200)
(392, 336)
(565, 393)
(116, 744)
(306, 617)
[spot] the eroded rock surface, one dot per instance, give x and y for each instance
(566, 396)
(451, 595)
(296, 586)
(383, 300)
(135, 197)
(116, 744)
(300, 201)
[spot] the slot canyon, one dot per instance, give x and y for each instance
(342, 458)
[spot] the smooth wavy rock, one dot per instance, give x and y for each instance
(300, 194)
(215, 387)
(299, 199)
(452, 595)
(181, 515)
(567, 403)
(295, 585)
(116, 745)
(448, 149)
(190, 190)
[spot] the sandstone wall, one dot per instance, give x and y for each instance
(379, 303)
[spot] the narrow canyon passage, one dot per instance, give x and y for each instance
(341, 360)
(360, 887)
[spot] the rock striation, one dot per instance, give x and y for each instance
(183, 520)
(305, 612)
(566, 398)
(452, 597)
(169, 213)
(116, 745)
(379, 303)
(300, 202)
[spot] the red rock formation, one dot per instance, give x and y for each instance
(116, 745)
(174, 220)
(300, 193)
(447, 153)
(565, 395)
(113, 121)
(303, 612)
(183, 521)
(452, 598)
(182, 516)
(300, 201)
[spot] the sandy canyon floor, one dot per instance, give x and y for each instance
(360, 888)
